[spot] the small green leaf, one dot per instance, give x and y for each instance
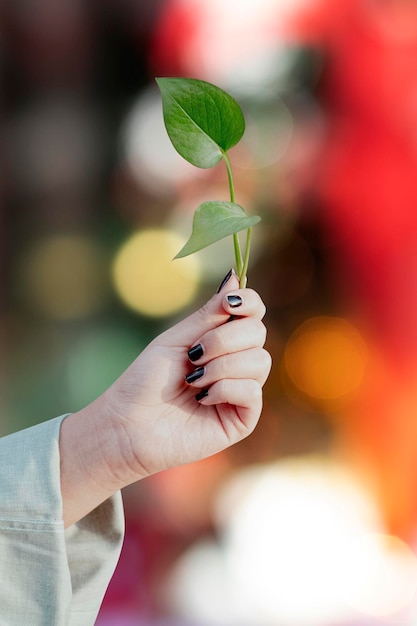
(202, 120)
(214, 221)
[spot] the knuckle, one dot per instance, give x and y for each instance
(223, 367)
(221, 339)
(254, 390)
(261, 331)
(204, 312)
(258, 303)
(221, 389)
(266, 360)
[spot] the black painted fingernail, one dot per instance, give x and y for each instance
(234, 301)
(225, 280)
(195, 375)
(196, 352)
(202, 394)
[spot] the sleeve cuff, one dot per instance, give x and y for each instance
(48, 575)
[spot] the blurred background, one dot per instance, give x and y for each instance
(313, 520)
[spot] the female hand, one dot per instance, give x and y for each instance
(195, 390)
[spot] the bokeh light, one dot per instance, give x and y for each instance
(233, 43)
(289, 552)
(385, 579)
(148, 151)
(63, 277)
(325, 360)
(269, 129)
(148, 280)
(301, 544)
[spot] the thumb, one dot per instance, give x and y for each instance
(209, 316)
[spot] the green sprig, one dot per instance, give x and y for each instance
(203, 122)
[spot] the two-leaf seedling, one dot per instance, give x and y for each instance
(203, 123)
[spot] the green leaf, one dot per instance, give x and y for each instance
(214, 221)
(202, 120)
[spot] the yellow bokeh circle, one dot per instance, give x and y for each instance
(148, 280)
(64, 277)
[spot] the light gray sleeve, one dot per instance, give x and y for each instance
(50, 576)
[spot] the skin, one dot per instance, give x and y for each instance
(149, 420)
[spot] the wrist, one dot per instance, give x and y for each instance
(94, 459)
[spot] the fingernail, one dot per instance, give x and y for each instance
(195, 375)
(234, 301)
(225, 280)
(196, 352)
(202, 394)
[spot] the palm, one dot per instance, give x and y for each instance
(169, 415)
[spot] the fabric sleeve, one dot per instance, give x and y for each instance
(50, 576)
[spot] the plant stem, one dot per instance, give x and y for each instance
(230, 176)
(242, 275)
(238, 254)
(236, 243)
